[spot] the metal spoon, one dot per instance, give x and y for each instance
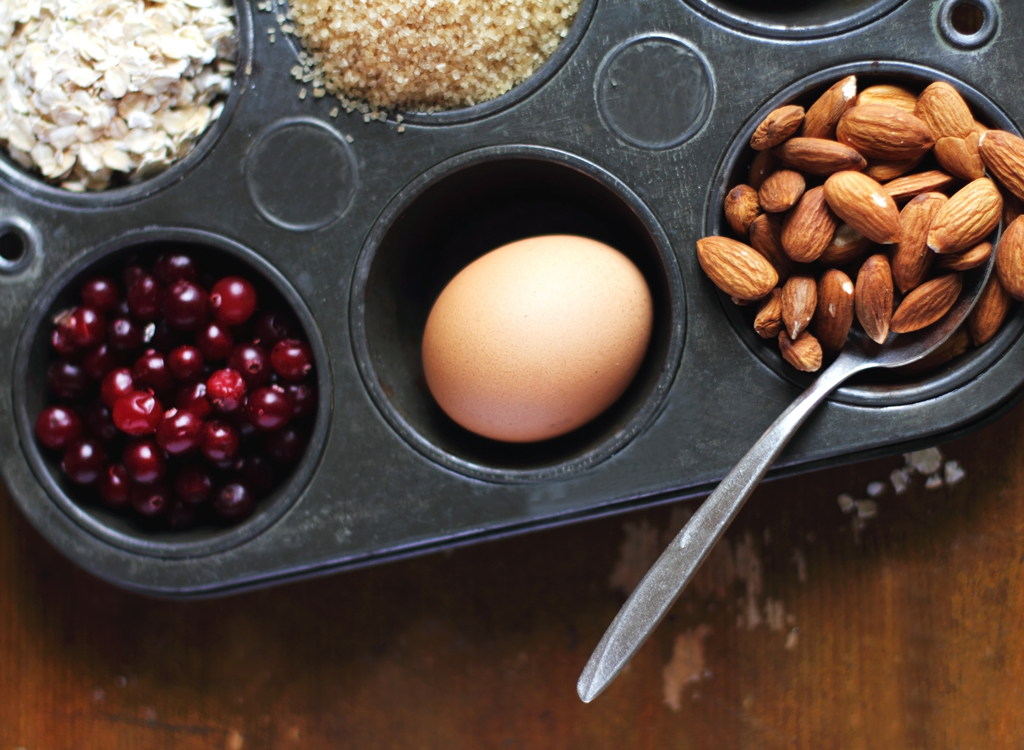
(663, 583)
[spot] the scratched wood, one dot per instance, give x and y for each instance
(904, 633)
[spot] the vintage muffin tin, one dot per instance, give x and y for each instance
(630, 134)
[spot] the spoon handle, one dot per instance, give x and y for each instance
(663, 583)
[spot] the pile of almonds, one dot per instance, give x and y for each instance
(821, 238)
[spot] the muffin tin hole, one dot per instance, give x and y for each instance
(457, 212)
(216, 256)
(968, 24)
(800, 19)
(878, 387)
(17, 246)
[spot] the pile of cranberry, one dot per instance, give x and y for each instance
(173, 400)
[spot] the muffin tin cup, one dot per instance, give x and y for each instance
(627, 134)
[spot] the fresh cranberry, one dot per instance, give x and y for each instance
(252, 362)
(149, 499)
(60, 340)
(214, 341)
(137, 413)
(304, 398)
(58, 427)
(286, 446)
(179, 432)
(269, 408)
(160, 336)
(82, 327)
(100, 293)
(144, 460)
(192, 397)
(233, 300)
(186, 363)
(233, 501)
(220, 441)
(151, 370)
(101, 360)
(83, 461)
(113, 485)
(145, 298)
(99, 421)
(271, 327)
(292, 359)
(171, 267)
(66, 380)
(186, 305)
(240, 419)
(180, 515)
(226, 390)
(115, 384)
(124, 334)
(193, 485)
(259, 474)
(131, 274)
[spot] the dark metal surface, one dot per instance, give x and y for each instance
(376, 491)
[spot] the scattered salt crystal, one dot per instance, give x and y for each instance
(954, 472)
(933, 482)
(927, 461)
(900, 479)
(333, 112)
(875, 489)
(792, 639)
(866, 508)
(846, 502)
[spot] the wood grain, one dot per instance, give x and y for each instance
(903, 633)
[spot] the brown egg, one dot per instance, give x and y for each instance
(537, 338)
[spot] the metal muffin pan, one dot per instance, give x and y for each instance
(629, 134)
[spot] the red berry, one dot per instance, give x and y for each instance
(304, 398)
(124, 334)
(144, 461)
(149, 499)
(226, 390)
(151, 370)
(58, 427)
(192, 398)
(286, 446)
(193, 485)
(186, 305)
(83, 461)
(179, 432)
(180, 515)
(233, 300)
(271, 327)
(131, 274)
(186, 363)
(100, 361)
(67, 381)
(252, 362)
(220, 441)
(100, 293)
(259, 474)
(99, 421)
(81, 328)
(145, 298)
(171, 267)
(115, 384)
(113, 485)
(60, 340)
(292, 359)
(233, 501)
(269, 408)
(214, 341)
(137, 413)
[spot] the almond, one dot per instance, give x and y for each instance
(804, 353)
(768, 322)
(766, 238)
(989, 311)
(1003, 154)
(781, 191)
(965, 261)
(809, 227)
(873, 297)
(763, 164)
(834, 316)
(884, 171)
(944, 111)
(912, 258)
(926, 304)
(822, 116)
(889, 95)
(960, 156)
(847, 246)
(819, 156)
(966, 218)
(864, 205)
(799, 299)
(1010, 259)
(738, 270)
(880, 132)
(904, 188)
(777, 127)
(741, 208)
(948, 350)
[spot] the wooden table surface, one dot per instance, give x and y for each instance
(809, 627)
